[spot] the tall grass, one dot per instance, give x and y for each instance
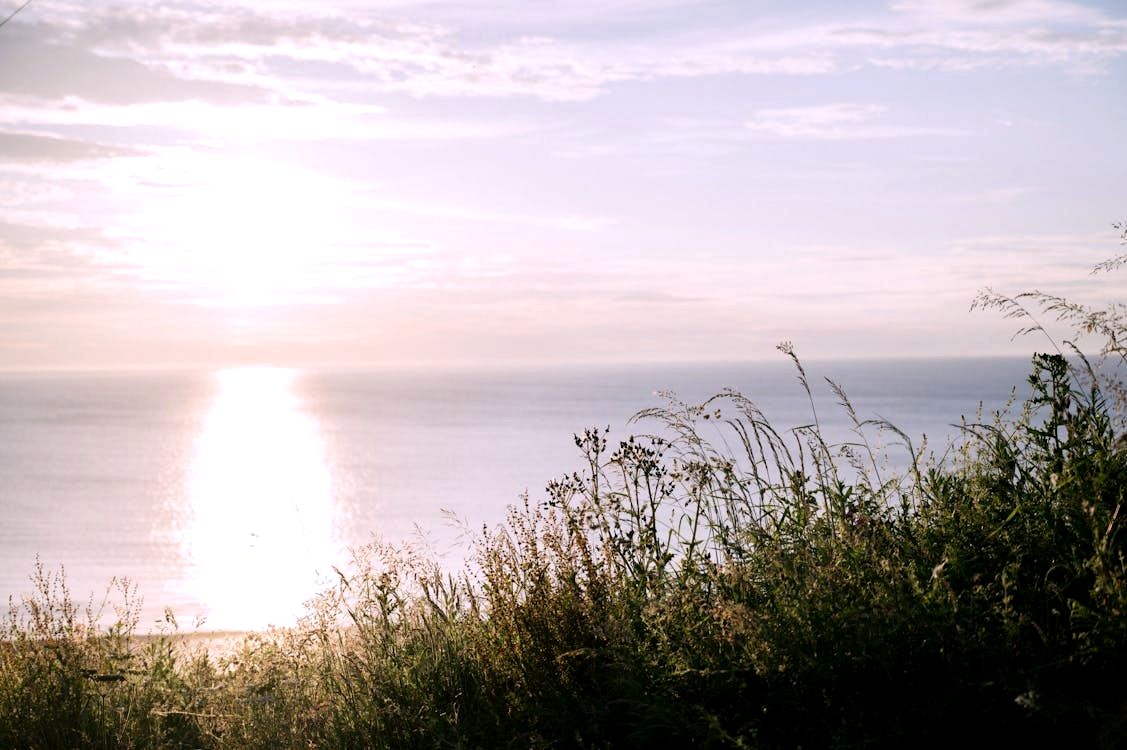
(716, 582)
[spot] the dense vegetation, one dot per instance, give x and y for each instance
(721, 583)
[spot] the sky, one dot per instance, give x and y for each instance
(530, 182)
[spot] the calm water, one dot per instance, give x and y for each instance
(229, 495)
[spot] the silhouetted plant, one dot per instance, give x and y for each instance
(720, 582)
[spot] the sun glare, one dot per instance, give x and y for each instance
(260, 533)
(244, 232)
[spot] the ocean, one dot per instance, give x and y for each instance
(229, 496)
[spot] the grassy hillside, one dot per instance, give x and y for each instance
(721, 583)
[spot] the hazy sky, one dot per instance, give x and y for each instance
(592, 180)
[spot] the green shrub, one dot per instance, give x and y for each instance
(719, 583)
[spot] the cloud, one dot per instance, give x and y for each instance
(49, 61)
(839, 121)
(1020, 262)
(52, 262)
(256, 122)
(572, 223)
(28, 147)
(142, 53)
(136, 53)
(970, 49)
(1000, 11)
(999, 195)
(966, 35)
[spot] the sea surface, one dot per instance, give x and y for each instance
(229, 496)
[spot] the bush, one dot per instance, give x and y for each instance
(754, 588)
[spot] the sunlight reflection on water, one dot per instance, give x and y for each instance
(260, 532)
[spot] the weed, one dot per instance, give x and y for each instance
(718, 582)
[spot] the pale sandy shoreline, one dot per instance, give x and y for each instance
(217, 643)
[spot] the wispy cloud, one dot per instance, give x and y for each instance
(571, 223)
(324, 120)
(519, 167)
(838, 121)
(136, 53)
(31, 147)
(129, 53)
(965, 35)
(1001, 11)
(1018, 262)
(998, 195)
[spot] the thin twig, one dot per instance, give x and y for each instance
(14, 12)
